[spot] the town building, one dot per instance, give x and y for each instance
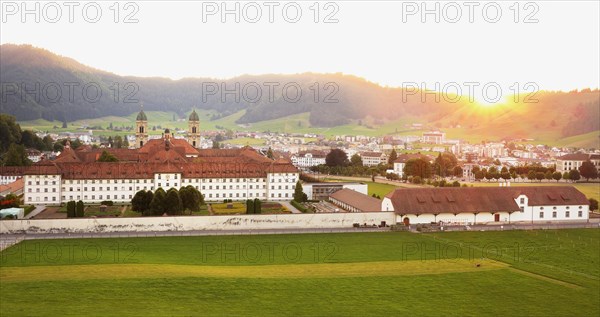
(573, 161)
(373, 158)
(306, 159)
(433, 137)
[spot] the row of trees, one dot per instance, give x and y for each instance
(253, 206)
(75, 210)
(171, 202)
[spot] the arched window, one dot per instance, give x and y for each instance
(141, 129)
(193, 129)
(141, 143)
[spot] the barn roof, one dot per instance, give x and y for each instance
(480, 199)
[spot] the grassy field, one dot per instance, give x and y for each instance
(541, 273)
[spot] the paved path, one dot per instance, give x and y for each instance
(35, 212)
(291, 207)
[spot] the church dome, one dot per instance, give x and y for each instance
(194, 116)
(141, 116)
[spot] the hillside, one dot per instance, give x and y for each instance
(360, 106)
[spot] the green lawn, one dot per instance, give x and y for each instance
(541, 273)
(221, 208)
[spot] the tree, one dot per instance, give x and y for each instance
(257, 206)
(16, 156)
(588, 170)
(80, 209)
(539, 176)
(64, 124)
(479, 175)
(444, 164)
(216, 145)
(107, 157)
(173, 202)
(270, 153)
(574, 175)
(356, 160)
(458, 171)
(418, 167)
(556, 176)
(593, 204)
(566, 176)
(190, 198)
(157, 206)
(531, 175)
(336, 157)
(393, 156)
(139, 202)
(71, 209)
(548, 175)
(249, 206)
(298, 193)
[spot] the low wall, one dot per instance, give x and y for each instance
(243, 222)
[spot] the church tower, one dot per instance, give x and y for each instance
(193, 134)
(141, 129)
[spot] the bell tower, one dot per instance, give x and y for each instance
(141, 128)
(193, 133)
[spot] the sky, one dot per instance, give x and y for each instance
(553, 45)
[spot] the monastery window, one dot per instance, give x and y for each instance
(130, 188)
(114, 196)
(580, 207)
(85, 197)
(158, 176)
(279, 195)
(93, 197)
(54, 190)
(45, 182)
(29, 183)
(175, 176)
(250, 186)
(554, 214)
(237, 194)
(580, 213)
(203, 187)
(217, 187)
(237, 186)
(210, 187)
(93, 189)
(130, 197)
(522, 200)
(71, 197)
(541, 208)
(37, 190)
(217, 195)
(272, 187)
(554, 207)
(37, 182)
(45, 198)
(45, 190)
(64, 197)
(286, 194)
(286, 186)
(541, 214)
(53, 182)
(279, 186)
(567, 214)
(568, 207)
(85, 189)
(29, 190)
(272, 195)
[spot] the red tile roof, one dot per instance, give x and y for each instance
(575, 157)
(357, 200)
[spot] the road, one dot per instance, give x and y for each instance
(38, 209)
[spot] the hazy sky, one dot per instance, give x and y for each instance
(370, 39)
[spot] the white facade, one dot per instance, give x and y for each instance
(307, 160)
(52, 190)
(7, 179)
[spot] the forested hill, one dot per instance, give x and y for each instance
(342, 99)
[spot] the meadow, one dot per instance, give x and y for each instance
(300, 123)
(540, 273)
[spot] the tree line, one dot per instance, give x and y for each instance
(172, 202)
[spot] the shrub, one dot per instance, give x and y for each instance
(299, 206)
(107, 202)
